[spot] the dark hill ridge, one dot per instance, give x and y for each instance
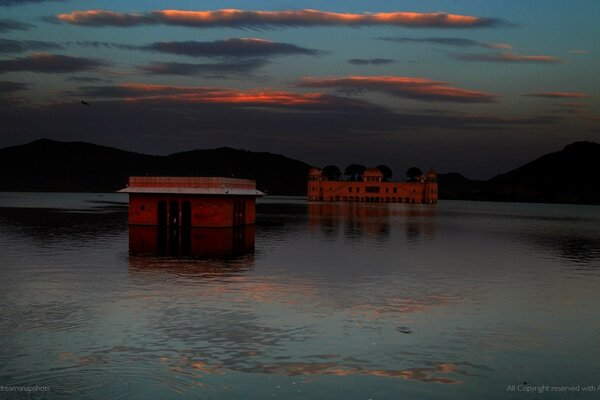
(566, 176)
(76, 166)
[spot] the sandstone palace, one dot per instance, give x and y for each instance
(371, 186)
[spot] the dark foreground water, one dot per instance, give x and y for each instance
(455, 301)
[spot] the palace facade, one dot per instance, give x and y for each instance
(373, 189)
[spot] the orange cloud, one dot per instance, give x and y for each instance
(265, 19)
(211, 95)
(408, 87)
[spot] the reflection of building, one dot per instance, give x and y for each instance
(372, 188)
(197, 242)
(359, 220)
(356, 219)
(191, 216)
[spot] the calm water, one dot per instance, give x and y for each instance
(452, 301)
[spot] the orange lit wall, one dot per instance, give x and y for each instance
(207, 211)
(374, 192)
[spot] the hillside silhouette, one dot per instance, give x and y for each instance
(565, 176)
(49, 165)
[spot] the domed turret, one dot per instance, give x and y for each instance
(431, 176)
(373, 175)
(314, 174)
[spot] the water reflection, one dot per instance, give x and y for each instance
(59, 225)
(152, 268)
(480, 302)
(574, 247)
(358, 220)
(191, 242)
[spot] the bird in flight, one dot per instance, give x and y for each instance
(85, 103)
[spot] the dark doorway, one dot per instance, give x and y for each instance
(174, 214)
(239, 213)
(162, 213)
(186, 227)
(161, 230)
(173, 228)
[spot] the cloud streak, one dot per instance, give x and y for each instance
(210, 70)
(406, 87)
(7, 25)
(137, 92)
(371, 61)
(234, 47)
(559, 95)
(508, 57)
(271, 19)
(11, 3)
(20, 46)
(51, 64)
(454, 42)
(7, 87)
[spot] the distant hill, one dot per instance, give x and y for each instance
(47, 165)
(566, 176)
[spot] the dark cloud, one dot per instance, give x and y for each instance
(20, 46)
(11, 3)
(7, 87)
(508, 58)
(407, 87)
(137, 91)
(571, 105)
(7, 25)
(559, 95)
(234, 47)
(87, 79)
(371, 61)
(106, 45)
(48, 63)
(444, 41)
(269, 19)
(219, 69)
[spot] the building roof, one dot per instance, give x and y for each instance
(192, 185)
(314, 171)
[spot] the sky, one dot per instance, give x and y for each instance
(469, 86)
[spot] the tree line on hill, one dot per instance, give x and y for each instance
(354, 172)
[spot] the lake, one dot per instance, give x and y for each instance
(337, 301)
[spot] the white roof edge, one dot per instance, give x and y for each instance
(202, 191)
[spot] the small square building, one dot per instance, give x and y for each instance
(191, 202)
